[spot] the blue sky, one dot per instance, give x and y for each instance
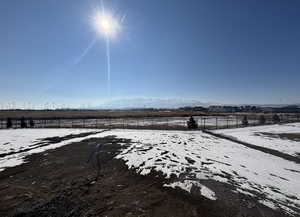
(226, 51)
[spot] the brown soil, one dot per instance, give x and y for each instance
(60, 182)
(48, 114)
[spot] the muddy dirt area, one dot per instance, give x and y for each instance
(62, 182)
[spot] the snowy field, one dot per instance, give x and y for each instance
(269, 137)
(201, 156)
(194, 157)
(18, 143)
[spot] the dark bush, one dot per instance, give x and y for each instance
(31, 123)
(276, 118)
(245, 121)
(23, 123)
(262, 119)
(8, 123)
(192, 124)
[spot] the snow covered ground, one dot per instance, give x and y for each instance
(193, 156)
(18, 139)
(273, 180)
(260, 136)
(15, 142)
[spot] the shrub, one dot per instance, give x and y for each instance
(8, 123)
(192, 124)
(262, 119)
(276, 118)
(31, 123)
(245, 121)
(23, 123)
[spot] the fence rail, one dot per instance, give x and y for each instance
(204, 122)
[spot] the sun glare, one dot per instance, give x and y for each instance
(106, 24)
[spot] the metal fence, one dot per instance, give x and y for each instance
(180, 123)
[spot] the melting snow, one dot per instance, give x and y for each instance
(193, 156)
(273, 180)
(188, 184)
(15, 140)
(255, 136)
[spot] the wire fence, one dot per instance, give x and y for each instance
(180, 123)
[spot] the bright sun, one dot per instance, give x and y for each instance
(106, 24)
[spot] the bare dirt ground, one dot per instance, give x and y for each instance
(60, 182)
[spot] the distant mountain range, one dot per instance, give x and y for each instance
(140, 103)
(150, 103)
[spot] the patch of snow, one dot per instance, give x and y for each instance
(188, 184)
(13, 140)
(24, 138)
(254, 135)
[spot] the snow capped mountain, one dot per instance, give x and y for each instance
(150, 103)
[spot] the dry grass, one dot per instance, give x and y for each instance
(48, 114)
